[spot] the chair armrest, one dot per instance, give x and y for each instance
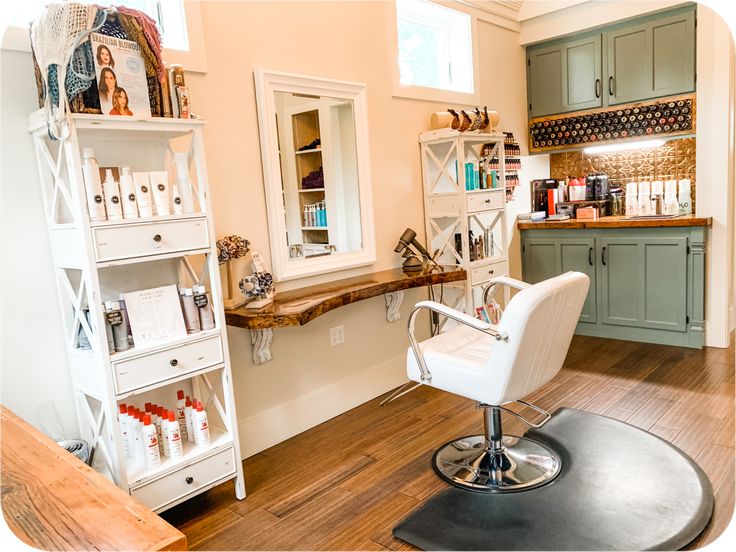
(453, 314)
(503, 281)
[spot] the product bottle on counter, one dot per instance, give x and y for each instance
(150, 443)
(671, 205)
(93, 186)
(683, 198)
(645, 201)
(202, 301)
(112, 197)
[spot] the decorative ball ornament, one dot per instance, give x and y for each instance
(257, 285)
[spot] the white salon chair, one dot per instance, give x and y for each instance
(496, 365)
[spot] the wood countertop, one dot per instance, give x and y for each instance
(53, 501)
(298, 306)
(617, 222)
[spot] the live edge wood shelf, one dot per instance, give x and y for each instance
(618, 222)
(298, 306)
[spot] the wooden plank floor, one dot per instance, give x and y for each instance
(344, 484)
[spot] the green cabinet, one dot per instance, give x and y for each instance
(637, 60)
(651, 59)
(645, 284)
(564, 76)
(545, 258)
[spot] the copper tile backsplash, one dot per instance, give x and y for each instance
(674, 160)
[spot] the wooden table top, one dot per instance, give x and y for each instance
(617, 222)
(53, 501)
(298, 306)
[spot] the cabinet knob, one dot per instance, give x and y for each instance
(157, 238)
(189, 480)
(490, 272)
(173, 362)
(488, 200)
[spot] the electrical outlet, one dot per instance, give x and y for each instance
(337, 335)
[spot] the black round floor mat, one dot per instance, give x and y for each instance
(620, 488)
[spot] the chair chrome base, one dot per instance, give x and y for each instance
(520, 464)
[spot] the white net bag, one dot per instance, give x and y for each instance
(54, 36)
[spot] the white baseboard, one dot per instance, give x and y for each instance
(286, 420)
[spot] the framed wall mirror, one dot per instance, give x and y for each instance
(314, 149)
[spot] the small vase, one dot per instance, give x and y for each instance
(234, 297)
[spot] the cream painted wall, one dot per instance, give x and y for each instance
(308, 381)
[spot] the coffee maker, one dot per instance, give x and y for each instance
(539, 193)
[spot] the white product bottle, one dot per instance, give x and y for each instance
(112, 197)
(204, 306)
(180, 417)
(671, 205)
(123, 420)
(156, 420)
(150, 443)
(683, 197)
(188, 419)
(160, 189)
(164, 430)
(93, 186)
(201, 427)
(181, 160)
(127, 194)
(174, 437)
(137, 439)
(176, 202)
(143, 193)
(645, 201)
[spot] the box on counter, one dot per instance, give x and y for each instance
(587, 213)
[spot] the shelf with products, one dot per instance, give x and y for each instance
(465, 224)
(128, 216)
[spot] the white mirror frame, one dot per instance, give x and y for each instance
(267, 83)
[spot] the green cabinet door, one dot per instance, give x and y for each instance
(653, 58)
(581, 73)
(643, 282)
(578, 254)
(541, 258)
(544, 80)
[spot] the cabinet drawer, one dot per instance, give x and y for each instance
(443, 206)
(485, 272)
(137, 372)
(486, 200)
(186, 480)
(122, 242)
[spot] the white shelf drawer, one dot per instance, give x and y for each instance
(140, 240)
(187, 480)
(443, 206)
(145, 370)
(484, 201)
(485, 272)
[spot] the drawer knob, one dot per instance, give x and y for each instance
(157, 238)
(488, 200)
(490, 272)
(189, 480)
(173, 362)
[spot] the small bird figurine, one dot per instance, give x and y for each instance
(455, 119)
(478, 121)
(486, 120)
(465, 125)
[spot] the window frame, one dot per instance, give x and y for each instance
(194, 60)
(425, 92)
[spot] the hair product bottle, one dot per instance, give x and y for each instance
(123, 421)
(188, 419)
(190, 310)
(150, 443)
(201, 427)
(180, 417)
(176, 201)
(143, 193)
(127, 194)
(174, 437)
(202, 301)
(114, 318)
(181, 160)
(160, 189)
(164, 415)
(126, 320)
(93, 186)
(112, 197)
